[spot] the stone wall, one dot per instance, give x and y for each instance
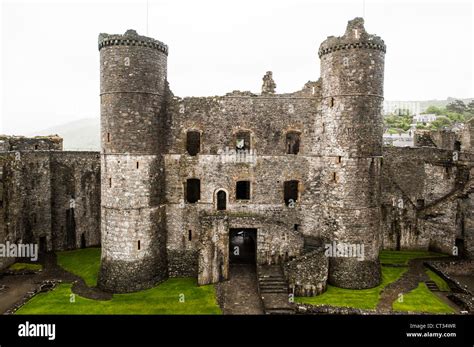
(426, 199)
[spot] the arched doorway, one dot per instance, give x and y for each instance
(221, 200)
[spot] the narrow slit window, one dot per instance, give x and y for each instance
(334, 177)
(193, 142)
(291, 192)
(138, 245)
(108, 137)
(110, 182)
(339, 159)
(242, 190)
(193, 190)
(138, 165)
(190, 235)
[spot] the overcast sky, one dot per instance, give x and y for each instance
(50, 61)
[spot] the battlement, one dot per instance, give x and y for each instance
(131, 38)
(354, 37)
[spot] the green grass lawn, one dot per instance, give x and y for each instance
(402, 257)
(357, 298)
(422, 299)
(162, 299)
(25, 266)
(442, 285)
(82, 262)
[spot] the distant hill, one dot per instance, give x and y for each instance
(80, 135)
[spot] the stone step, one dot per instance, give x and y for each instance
(280, 311)
(432, 286)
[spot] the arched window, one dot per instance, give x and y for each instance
(221, 200)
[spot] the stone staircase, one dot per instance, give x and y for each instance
(273, 290)
(432, 286)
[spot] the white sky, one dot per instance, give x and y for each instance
(50, 61)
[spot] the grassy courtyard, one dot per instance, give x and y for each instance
(422, 299)
(363, 298)
(402, 257)
(418, 300)
(82, 262)
(174, 296)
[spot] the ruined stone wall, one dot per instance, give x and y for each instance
(75, 199)
(27, 197)
(219, 119)
(425, 199)
(442, 139)
(21, 143)
(37, 187)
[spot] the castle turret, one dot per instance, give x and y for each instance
(132, 90)
(352, 71)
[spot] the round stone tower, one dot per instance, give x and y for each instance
(133, 93)
(352, 72)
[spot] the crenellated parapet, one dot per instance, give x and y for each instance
(354, 37)
(131, 38)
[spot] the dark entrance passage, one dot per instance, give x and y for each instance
(242, 246)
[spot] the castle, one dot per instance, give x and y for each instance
(189, 186)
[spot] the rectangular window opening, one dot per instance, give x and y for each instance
(193, 142)
(242, 190)
(291, 192)
(193, 190)
(292, 143)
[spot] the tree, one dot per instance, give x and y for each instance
(435, 110)
(470, 108)
(456, 106)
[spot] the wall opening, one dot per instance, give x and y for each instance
(138, 165)
(292, 142)
(331, 102)
(242, 141)
(83, 240)
(110, 182)
(291, 192)
(339, 159)
(70, 229)
(457, 146)
(36, 147)
(242, 246)
(334, 177)
(193, 190)
(221, 200)
(295, 227)
(242, 190)
(108, 137)
(43, 246)
(138, 245)
(193, 142)
(190, 235)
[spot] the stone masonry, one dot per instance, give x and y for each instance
(177, 176)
